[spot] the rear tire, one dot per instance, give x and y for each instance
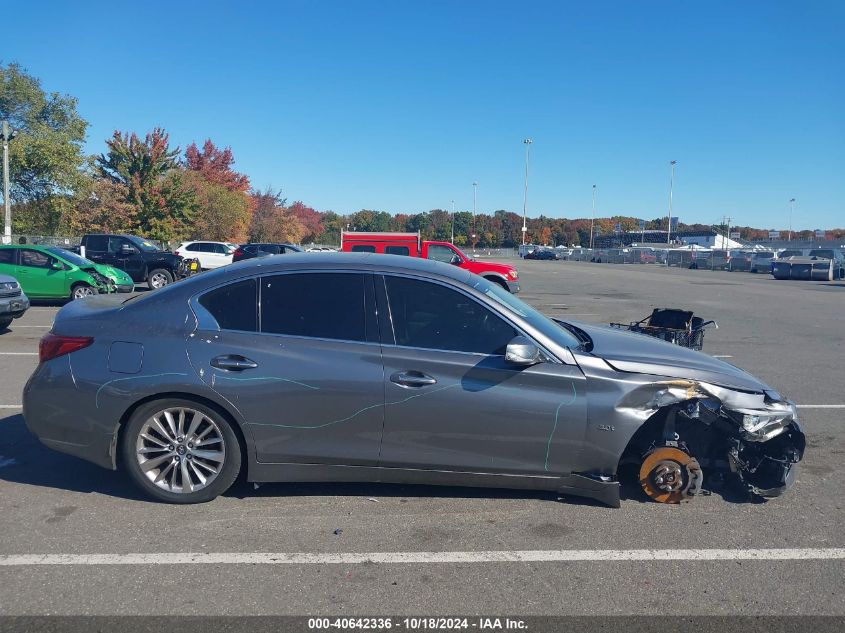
(159, 278)
(82, 290)
(5, 322)
(180, 451)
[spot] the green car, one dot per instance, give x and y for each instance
(50, 272)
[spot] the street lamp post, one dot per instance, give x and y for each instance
(593, 217)
(8, 135)
(474, 210)
(527, 143)
(671, 186)
(791, 209)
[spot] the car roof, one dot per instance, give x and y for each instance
(315, 261)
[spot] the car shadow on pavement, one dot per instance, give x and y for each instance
(24, 460)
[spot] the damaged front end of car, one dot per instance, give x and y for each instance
(697, 435)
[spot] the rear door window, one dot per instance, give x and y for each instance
(98, 243)
(234, 306)
(363, 248)
(397, 250)
(318, 305)
(7, 255)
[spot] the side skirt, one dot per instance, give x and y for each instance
(573, 484)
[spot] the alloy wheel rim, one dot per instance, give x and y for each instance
(82, 291)
(158, 281)
(180, 450)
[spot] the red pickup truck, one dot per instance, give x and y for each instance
(410, 244)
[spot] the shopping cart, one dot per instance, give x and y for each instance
(680, 327)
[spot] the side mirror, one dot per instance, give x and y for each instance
(126, 249)
(521, 351)
(57, 265)
(456, 261)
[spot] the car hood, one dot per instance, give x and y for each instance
(642, 354)
(495, 267)
(112, 273)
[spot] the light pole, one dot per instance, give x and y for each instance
(453, 221)
(671, 186)
(791, 209)
(8, 135)
(593, 217)
(527, 143)
(474, 209)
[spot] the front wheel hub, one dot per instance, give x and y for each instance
(669, 475)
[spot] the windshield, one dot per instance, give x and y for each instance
(822, 252)
(145, 245)
(529, 314)
(68, 256)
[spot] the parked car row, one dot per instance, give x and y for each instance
(13, 301)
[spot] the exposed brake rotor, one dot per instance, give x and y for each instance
(669, 475)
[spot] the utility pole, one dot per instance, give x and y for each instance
(7, 135)
(671, 186)
(453, 221)
(474, 200)
(791, 209)
(593, 217)
(527, 143)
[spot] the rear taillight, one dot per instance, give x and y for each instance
(52, 345)
(177, 253)
(238, 252)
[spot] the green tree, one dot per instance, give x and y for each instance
(154, 180)
(46, 159)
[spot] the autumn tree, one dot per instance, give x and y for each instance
(272, 221)
(310, 220)
(154, 181)
(101, 206)
(215, 165)
(219, 213)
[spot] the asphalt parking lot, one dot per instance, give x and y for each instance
(790, 334)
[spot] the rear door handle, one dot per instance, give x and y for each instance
(233, 362)
(412, 378)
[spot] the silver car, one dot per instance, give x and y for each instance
(13, 301)
(360, 367)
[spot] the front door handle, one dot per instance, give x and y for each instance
(233, 362)
(412, 378)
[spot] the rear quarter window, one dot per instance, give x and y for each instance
(363, 248)
(233, 306)
(397, 250)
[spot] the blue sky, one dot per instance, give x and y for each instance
(400, 105)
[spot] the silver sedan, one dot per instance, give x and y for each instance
(357, 367)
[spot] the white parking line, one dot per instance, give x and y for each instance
(722, 356)
(16, 326)
(18, 353)
(401, 558)
(821, 406)
(10, 406)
